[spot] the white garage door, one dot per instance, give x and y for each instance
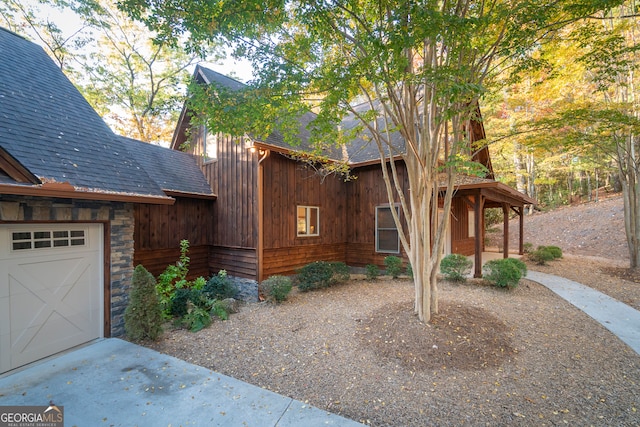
(51, 279)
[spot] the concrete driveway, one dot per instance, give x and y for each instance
(113, 382)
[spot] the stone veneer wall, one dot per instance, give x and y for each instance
(119, 215)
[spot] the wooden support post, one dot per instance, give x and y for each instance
(477, 208)
(505, 234)
(521, 215)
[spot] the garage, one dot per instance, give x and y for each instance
(51, 282)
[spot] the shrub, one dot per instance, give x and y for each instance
(528, 248)
(321, 274)
(519, 264)
(220, 287)
(455, 267)
(220, 309)
(174, 277)
(503, 273)
(372, 272)
(393, 265)
(197, 318)
(143, 315)
(178, 306)
(409, 271)
(276, 288)
(554, 250)
(544, 254)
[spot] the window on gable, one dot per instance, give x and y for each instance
(387, 237)
(308, 221)
(210, 149)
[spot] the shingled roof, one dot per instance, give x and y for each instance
(52, 139)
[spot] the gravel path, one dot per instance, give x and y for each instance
(490, 357)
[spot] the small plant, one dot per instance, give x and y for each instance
(503, 273)
(409, 271)
(321, 274)
(372, 272)
(173, 277)
(455, 267)
(220, 310)
(197, 318)
(544, 254)
(220, 287)
(143, 315)
(519, 264)
(276, 288)
(393, 265)
(528, 248)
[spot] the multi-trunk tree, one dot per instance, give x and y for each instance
(419, 67)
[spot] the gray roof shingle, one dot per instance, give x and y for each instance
(172, 170)
(48, 126)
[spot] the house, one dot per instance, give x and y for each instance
(73, 203)
(273, 214)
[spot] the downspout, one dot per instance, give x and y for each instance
(263, 154)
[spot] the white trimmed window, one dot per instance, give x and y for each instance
(42, 239)
(308, 221)
(210, 146)
(387, 237)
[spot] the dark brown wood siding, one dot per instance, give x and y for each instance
(288, 184)
(160, 228)
(233, 177)
(461, 243)
(363, 194)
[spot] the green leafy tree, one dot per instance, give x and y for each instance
(416, 69)
(143, 315)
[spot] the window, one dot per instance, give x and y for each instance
(210, 148)
(22, 240)
(387, 237)
(308, 221)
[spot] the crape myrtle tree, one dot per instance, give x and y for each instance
(420, 68)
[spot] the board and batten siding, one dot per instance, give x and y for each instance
(160, 228)
(364, 194)
(233, 177)
(287, 185)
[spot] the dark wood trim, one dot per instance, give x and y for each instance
(16, 170)
(172, 193)
(65, 193)
(106, 259)
(505, 234)
(478, 210)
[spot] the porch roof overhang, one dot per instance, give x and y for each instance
(495, 193)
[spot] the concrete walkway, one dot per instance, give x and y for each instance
(617, 317)
(116, 383)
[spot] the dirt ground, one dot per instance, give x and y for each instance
(490, 357)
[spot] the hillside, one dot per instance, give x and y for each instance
(589, 229)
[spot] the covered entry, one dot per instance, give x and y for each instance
(51, 282)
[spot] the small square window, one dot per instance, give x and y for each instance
(308, 221)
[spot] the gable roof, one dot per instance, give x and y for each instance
(50, 131)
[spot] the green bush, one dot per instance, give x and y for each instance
(321, 274)
(544, 254)
(528, 247)
(276, 288)
(143, 315)
(220, 310)
(393, 265)
(455, 267)
(220, 287)
(197, 318)
(409, 271)
(372, 271)
(554, 250)
(174, 277)
(519, 264)
(503, 273)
